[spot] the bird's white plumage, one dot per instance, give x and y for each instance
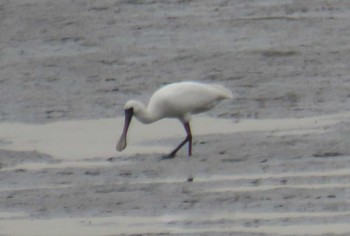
(184, 98)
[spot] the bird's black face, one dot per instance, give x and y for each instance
(129, 111)
(121, 145)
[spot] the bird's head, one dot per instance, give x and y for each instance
(133, 105)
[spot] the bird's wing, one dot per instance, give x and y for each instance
(177, 100)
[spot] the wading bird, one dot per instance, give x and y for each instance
(177, 100)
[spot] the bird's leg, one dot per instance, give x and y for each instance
(187, 139)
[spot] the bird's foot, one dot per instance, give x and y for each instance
(167, 157)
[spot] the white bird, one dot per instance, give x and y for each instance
(177, 100)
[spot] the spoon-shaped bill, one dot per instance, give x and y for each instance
(121, 145)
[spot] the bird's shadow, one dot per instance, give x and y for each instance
(166, 157)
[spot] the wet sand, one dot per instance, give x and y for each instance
(273, 161)
(76, 140)
(97, 193)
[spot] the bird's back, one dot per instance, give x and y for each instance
(183, 98)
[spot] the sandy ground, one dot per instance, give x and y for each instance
(276, 160)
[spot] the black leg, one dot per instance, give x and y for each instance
(187, 139)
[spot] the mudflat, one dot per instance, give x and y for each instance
(275, 160)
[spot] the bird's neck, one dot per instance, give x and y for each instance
(143, 115)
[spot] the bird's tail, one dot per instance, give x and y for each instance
(226, 93)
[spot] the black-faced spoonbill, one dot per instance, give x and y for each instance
(177, 100)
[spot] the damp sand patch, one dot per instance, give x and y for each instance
(85, 139)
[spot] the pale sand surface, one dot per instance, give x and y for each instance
(273, 161)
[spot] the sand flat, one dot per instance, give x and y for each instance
(273, 161)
